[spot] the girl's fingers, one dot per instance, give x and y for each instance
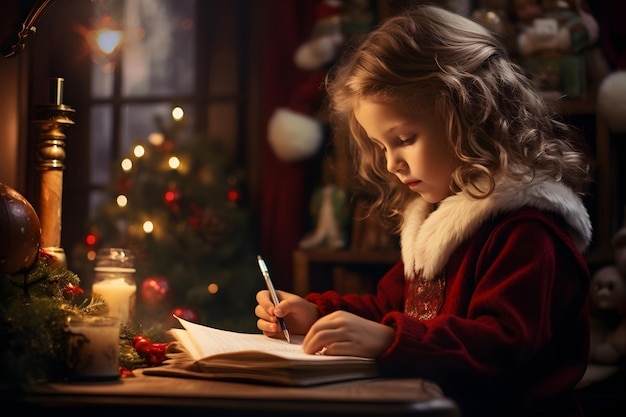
(263, 314)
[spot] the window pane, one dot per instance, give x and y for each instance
(223, 36)
(158, 54)
(141, 120)
(96, 199)
(223, 125)
(101, 140)
(102, 76)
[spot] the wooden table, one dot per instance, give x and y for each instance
(150, 396)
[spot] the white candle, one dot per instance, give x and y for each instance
(119, 295)
(94, 347)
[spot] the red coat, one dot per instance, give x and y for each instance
(511, 334)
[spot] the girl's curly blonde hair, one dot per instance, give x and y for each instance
(497, 123)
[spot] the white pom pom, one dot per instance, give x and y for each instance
(612, 101)
(315, 54)
(294, 136)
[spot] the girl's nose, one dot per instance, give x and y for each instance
(394, 163)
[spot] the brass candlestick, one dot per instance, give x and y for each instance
(51, 119)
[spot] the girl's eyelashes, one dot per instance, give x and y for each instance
(408, 141)
(401, 142)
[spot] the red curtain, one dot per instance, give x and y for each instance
(285, 186)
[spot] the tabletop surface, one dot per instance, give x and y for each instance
(160, 395)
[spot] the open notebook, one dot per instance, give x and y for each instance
(219, 354)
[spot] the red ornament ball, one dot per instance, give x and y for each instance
(20, 231)
(186, 313)
(155, 290)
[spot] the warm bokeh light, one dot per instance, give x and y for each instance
(91, 255)
(178, 113)
(213, 288)
(139, 151)
(108, 40)
(127, 164)
(121, 200)
(103, 39)
(174, 162)
(156, 139)
(148, 226)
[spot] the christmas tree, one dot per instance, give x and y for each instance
(179, 207)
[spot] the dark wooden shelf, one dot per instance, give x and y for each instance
(322, 260)
(600, 251)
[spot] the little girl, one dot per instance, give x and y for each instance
(484, 188)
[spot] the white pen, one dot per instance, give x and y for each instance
(275, 300)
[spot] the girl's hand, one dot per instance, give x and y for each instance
(298, 313)
(343, 333)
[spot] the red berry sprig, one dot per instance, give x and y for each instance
(152, 353)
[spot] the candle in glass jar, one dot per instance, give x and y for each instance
(114, 281)
(94, 347)
(119, 295)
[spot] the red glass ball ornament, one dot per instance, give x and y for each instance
(186, 313)
(172, 196)
(20, 231)
(91, 239)
(234, 195)
(155, 290)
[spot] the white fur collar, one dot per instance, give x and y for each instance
(429, 237)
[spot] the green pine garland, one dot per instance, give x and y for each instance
(34, 306)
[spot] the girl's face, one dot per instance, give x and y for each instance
(416, 147)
